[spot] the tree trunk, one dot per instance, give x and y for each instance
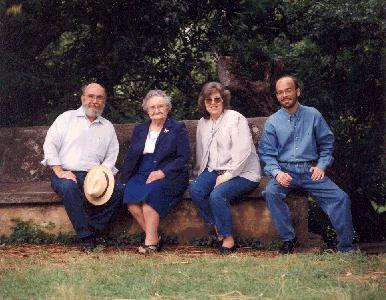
(256, 94)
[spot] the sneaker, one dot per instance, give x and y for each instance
(288, 247)
(87, 244)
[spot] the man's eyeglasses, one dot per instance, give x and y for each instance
(98, 98)
(216, 100)
(286, 91)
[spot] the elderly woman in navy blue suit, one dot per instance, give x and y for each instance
(155, 170)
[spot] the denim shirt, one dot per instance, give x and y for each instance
(301, 137)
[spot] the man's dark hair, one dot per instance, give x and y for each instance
(294, 79)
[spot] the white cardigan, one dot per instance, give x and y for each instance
(235, 149)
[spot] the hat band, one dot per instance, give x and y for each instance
(107, 185)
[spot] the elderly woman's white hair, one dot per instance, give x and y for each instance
(156, 93)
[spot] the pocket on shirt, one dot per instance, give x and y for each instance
(97, 149)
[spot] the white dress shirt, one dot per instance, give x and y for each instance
(150, 142)
(227, 146)
(76, 144)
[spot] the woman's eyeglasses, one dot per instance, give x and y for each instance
(216, 100)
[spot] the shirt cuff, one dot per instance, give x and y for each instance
(112, 168)
(322, 166)
(275, 172)
(228, 175)
(50, 162)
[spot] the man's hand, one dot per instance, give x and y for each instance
(284, 179)
(67, 175)
(155, 175)
(63, 174)
(317, 173)
(221, 179)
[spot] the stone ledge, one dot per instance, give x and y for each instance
(41, 192)
(251, 218)
(25, 192)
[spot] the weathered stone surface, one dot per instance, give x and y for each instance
(21, 149)
(42, 215)
(251, 219)
(25, 192)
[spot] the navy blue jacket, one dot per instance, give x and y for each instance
(171, 153)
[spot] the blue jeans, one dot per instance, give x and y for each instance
(334, 202)
(76, 205)
(214, 203)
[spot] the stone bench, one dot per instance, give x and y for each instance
(25, 193)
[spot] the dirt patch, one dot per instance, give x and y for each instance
(372, 276)
(57, 251)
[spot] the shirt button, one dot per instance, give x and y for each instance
(296, 148)
(154, 161)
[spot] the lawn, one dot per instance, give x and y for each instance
(62, 272)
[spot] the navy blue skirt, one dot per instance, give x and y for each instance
(161, 194)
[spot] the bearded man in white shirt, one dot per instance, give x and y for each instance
(77, 141)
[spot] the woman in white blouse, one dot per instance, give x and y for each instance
(155, 170)
(226, 162)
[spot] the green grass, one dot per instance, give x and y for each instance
(44, 274)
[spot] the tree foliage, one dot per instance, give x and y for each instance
(50, 48)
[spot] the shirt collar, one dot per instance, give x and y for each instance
(296, 114)
(215, 122)
(81, 113)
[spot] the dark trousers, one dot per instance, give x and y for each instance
(77, 206)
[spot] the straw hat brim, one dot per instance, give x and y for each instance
(110, 187)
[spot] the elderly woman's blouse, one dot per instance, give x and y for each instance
(150, 142)
(227, 146)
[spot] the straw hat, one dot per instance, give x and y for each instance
(98, 185)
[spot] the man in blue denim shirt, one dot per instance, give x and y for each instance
(296, 148)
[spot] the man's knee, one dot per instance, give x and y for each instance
(272, 192)
(67, 186)
(343, 197)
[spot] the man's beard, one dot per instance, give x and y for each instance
(291, 103)
(92, 112)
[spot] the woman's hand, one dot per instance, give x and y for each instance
(155, 175)
(221, 179)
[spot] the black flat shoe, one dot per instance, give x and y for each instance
(87, 244)
(288, 247)
(226, 251)
(148, 249)
(215, 236)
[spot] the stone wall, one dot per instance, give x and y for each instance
(25, 192)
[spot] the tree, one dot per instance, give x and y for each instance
(49, 48)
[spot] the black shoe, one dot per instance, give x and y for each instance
(87, 244)
(226, 251)
(149, 249)
(214, 237)
(289, 246)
